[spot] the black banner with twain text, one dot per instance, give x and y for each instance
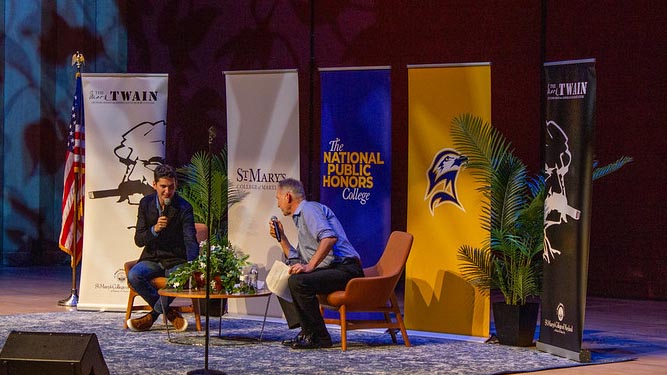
(568, 163)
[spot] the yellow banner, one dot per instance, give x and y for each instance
(444, 206)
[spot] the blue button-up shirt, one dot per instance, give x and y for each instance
(315, 221)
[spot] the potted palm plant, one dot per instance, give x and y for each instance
(203, 172)
(513, 213)
(194, 188)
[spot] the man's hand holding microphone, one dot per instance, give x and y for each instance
(276, 228)
(276, 231)
(162, 220)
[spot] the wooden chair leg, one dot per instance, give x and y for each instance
(404, 332)
(128, 310)
(387, 318)
(197, 313)
(399, 319)
(343, 327)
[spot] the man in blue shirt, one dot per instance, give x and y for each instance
(323, 261)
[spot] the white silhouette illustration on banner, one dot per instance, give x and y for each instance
(556, 207)
(139, 153)
(441, 177)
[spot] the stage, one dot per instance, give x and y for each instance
(615, 329)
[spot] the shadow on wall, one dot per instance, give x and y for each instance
(451, 311)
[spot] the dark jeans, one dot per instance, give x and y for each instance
(304, 311)
(140, 277)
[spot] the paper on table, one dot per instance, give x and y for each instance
(276, 280)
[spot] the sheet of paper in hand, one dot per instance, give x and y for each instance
(276, 280)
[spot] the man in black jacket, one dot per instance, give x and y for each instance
(166, 231)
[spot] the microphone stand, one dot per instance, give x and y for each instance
(206, 370)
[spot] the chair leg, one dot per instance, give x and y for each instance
(197, 312)
(387, 318)
(343, 327)
(399, 319)
(128, 310)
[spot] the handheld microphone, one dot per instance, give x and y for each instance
(275, 227)
(167, 203)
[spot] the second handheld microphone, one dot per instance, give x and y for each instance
(275, 227)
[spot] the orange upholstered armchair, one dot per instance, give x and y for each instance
(161, 282)
(373, 293)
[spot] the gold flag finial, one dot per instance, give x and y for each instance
(78, 60)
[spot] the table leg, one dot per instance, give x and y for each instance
(261, 333)
(164, 319)
(222, 308)
(266, 311)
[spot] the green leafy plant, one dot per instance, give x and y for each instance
(194, 183)
(206, 172)
(513, 213)
(226, 268)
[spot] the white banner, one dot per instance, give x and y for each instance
(263, 148)
(125, 118)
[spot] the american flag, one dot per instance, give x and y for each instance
(71, 233)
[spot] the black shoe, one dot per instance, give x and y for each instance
(295, 339)
(313, 342)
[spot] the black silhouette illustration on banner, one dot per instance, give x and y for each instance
(556, 207)
(136, 153)
(442, 176)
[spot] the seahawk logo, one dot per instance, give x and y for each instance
(441, 177)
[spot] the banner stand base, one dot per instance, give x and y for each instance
(583, 356)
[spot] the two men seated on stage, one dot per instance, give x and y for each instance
(166, 231)
(323, 261)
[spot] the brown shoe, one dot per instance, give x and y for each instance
(177, 320)
(141, 324)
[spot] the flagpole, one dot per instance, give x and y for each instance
(72, 301)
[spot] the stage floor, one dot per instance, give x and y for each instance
(38, 289)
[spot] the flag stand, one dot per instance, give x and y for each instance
(73, 299)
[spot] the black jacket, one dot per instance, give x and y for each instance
(175, 244)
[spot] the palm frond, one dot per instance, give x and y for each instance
(484, 146)
(611, 167)
(512, 212)
(194, 188)
(508, 192)
(476, 267)
(504, 180)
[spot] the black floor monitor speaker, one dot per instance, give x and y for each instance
(32, 353)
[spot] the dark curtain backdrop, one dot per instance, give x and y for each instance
(195, 41)
(627, 252)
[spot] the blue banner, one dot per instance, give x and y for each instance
(355, 180)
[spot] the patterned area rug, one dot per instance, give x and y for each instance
(369, 352)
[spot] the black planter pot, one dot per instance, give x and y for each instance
(217, 306)
(515, 324)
